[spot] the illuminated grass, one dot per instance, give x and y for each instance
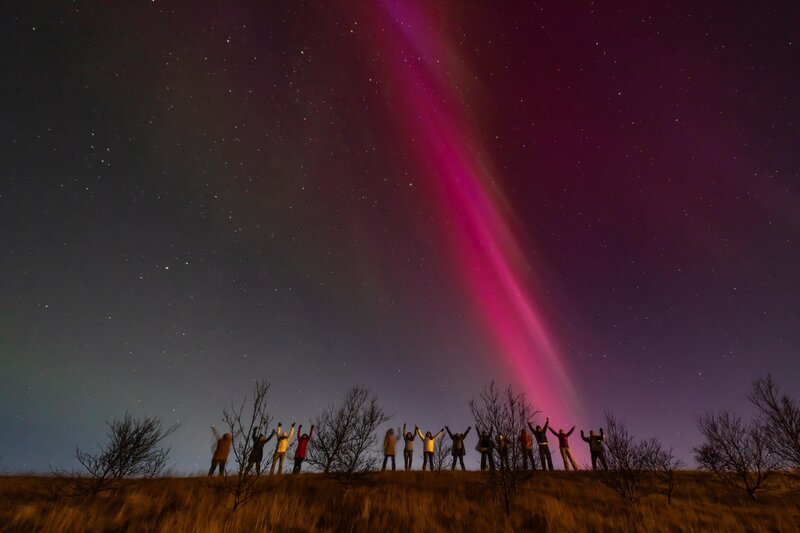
(388, 502)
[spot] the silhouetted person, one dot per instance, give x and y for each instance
(486, 448)
(428, 443)
(502, 450)
(300, 451)
(280, 448)
(408, 447)
(389, 444)
(257, 453)
(596, 448)
(525, 441)
(458, 450)
(220, 457)
(563, 447)
(540, 433)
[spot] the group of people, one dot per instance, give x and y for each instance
(256, 456)
(488, 443)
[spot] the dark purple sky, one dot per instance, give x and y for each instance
(327, 193)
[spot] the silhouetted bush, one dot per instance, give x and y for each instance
(737, 453)
(133, 452)
(506, 412)
(345, 438)
(781, 418)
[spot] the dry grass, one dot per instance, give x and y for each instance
(388, 502)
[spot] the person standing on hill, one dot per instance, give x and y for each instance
(428, 443)
(300, 451)
(408, 448)
(257, 453)
(486, 448)
(596, 449)
(563, 447)
(544, 448)
(220, 457)
(525, 441)
(502, 450)
(458, 449)
(389, 444)
(280, 448)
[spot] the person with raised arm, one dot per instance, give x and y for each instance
(300, 451)
(563, 447)
(458, 450)
(596, 448)
(220, 457)
(257, 452)
(428, 443)
(544, 448)
(408, 447)
(280, 448)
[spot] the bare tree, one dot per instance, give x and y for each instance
(442, 452)
(630, 463)
(134, 451)
(735, 452)
(241, 421)
(663, 464)
(506, 413)
(781, 415)
(345, 437)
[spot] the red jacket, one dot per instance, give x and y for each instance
(525, 440)
(563, 442)
(302, 443)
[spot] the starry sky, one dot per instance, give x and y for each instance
(595, 202)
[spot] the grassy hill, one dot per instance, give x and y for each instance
(386, 502)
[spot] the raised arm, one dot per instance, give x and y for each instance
(570, 431)
(216, 433)
(583, 437)
(419, 432)
(602, 435)
(272, 434)
(311, 432)
(291, 432)
(546, 424)
(299, 431)
(438, 434)
(530, 426)
(553, 432)
(255, 433)
(448, 432)
(467, 431)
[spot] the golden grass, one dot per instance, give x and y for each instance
(387, 502)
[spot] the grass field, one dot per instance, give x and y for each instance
(414, 501)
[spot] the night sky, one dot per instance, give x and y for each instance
(595, 203)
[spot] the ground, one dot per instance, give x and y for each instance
(386, 502)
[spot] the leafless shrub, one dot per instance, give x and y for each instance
(663, 464)
(506, 413)
(737, 453)
(781, 415)
(630, 463)
(240, 420)
(441, 453)
(345, 437)
(134, 451)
